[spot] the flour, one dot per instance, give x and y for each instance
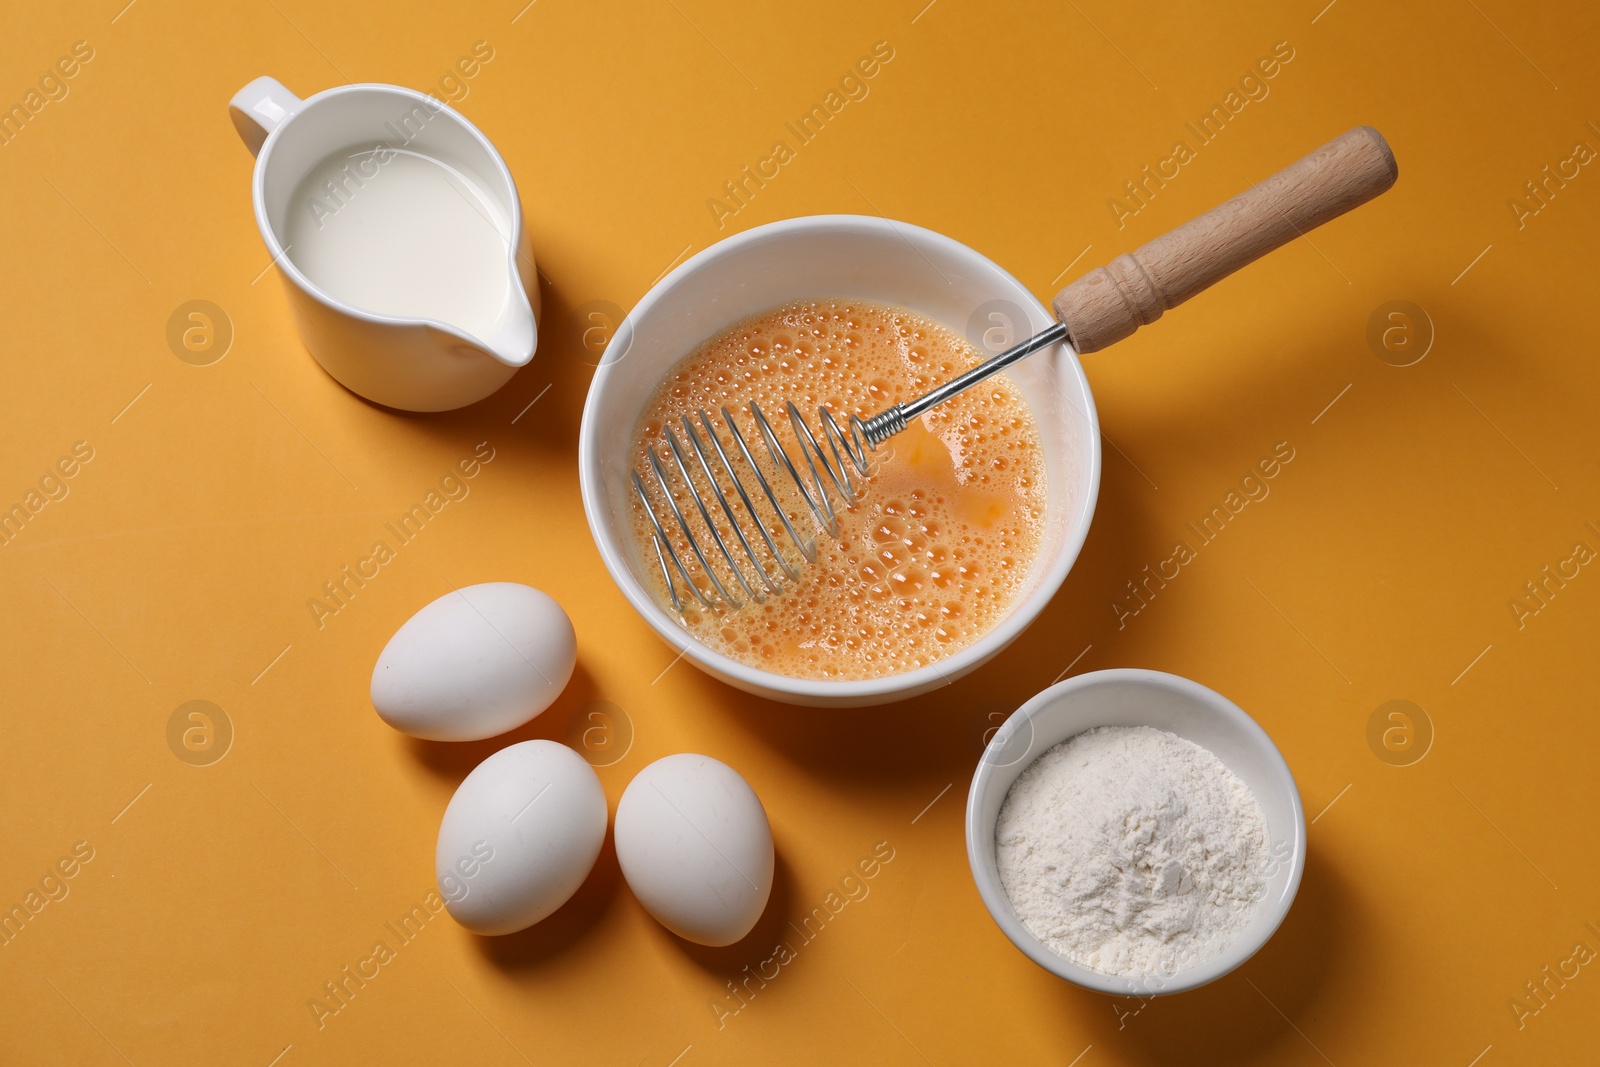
(1132, 851)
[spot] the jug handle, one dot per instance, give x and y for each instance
(259, 108)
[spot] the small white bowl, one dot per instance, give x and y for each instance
(1166, 702)
(823, 257)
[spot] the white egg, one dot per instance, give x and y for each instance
(519, 837)
(695, 846)
(475, 663)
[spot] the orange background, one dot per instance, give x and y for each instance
(220, 898)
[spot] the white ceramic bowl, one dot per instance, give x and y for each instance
(1166, 702)
(821, 257)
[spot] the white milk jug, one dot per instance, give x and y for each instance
(397, 229)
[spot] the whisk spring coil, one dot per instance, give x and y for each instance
(823, 477)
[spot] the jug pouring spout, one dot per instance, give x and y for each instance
(516, 336)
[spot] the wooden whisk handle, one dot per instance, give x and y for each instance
(1111, 302)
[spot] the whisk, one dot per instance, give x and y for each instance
(1099, 309)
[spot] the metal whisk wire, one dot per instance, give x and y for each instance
(824, 470)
